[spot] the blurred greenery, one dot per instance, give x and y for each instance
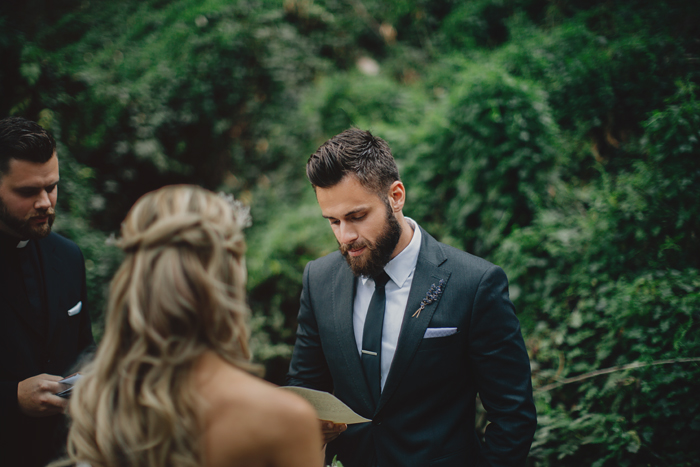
(558, 139)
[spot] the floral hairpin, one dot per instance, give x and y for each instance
(240, 210)
(433, 294)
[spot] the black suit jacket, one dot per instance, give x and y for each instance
(27, 441)
(425, 416)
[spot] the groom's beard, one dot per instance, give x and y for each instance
(378, 253)
(24, 227)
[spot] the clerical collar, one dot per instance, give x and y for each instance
(8, 241)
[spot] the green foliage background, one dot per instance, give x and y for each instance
(558, 139)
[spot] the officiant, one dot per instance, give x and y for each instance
(44, 321)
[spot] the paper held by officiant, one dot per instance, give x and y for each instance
(328, 406)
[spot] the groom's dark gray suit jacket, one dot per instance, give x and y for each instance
(426, 413)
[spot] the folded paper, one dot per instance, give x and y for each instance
(327, 405)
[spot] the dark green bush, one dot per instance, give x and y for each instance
(477, 24)
(484, 168)
(609, 276)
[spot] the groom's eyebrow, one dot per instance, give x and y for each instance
(349, 213)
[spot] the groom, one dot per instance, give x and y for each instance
(406, 330)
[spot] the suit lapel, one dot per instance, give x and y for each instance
(52, 274)
(427, 273)
(343, 300)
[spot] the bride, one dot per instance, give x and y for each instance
(170, 384)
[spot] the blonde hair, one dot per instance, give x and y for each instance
(180, 292)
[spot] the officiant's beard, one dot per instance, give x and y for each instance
(24, 227)
(378, 253)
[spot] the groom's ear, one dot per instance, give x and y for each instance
(397, 196)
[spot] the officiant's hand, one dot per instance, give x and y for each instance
(332, 430)
(36, 396)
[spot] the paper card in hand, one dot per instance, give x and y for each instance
(70, 380)
(327, 406)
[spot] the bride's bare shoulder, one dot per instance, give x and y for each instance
(244, 415)
(222, 384)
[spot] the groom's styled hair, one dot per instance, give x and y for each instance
(353, 152)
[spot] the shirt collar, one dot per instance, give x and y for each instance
(402, 265)
(12, 242)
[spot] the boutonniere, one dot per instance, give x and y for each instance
(433, 294)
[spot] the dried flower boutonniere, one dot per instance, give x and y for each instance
(433, 294)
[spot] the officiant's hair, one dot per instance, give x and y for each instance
(180, 292)
(25, 140)
(357, 153)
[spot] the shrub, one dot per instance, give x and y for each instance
(482, 169)
(607, 276)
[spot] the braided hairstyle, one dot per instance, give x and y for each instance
(180, 292)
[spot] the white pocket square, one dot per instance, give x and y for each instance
(76, 309)
(439, 332)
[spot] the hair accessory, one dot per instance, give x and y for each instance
(240, 210)
(433, 294)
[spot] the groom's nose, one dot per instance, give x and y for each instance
(347, 233)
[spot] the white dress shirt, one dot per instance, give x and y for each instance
(400, 270)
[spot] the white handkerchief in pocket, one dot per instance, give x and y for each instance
(76, 309)
(439, 332)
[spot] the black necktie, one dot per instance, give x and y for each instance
(372, 336)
